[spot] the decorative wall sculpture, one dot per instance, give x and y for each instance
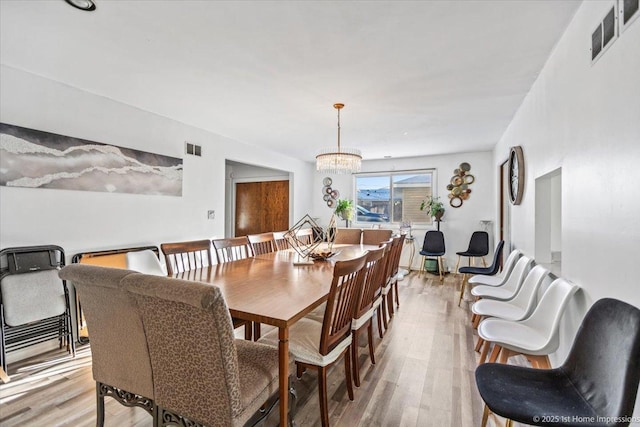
(459, 185)
(36, 159)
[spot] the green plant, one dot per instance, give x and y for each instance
(345, 209)
(433, 205)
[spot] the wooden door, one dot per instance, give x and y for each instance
(261, 207)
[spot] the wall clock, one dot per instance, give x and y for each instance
(516, 175)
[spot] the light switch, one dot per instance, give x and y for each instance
(211, 214)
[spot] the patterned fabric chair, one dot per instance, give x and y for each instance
(351, 236)
(201, 373)
(121, 364)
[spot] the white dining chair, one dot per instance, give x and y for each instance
(146, 262)
(500, 278)
(510, 287)
(535, 337)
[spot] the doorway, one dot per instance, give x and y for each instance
(548, 221)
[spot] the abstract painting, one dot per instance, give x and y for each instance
(36, 159)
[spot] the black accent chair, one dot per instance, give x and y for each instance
(596, 385)
(478, 248)
(492, 270)
(433, 246)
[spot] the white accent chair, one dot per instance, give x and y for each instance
(146, 262)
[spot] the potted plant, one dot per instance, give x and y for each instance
(345, 210)
(434, 206)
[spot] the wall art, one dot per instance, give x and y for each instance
(35, 159)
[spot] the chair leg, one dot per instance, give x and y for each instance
(247, 331)
(494, 353)
(504, 356)
(483, 261)
(256, 331)
(508, 423)
(354, 356)
(370, 337)
(347, 372)
(384, 312)
(422, 265)
(485, 349)
(485, 416)
(395, 285)
(322, 394)
(477, 321)
(390, 302)
(462, 286)
(440, 269)
(479, 344)
(299, 370)
(457, 264)
(379, 316)
(99, 407)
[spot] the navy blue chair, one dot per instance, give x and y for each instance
(478, 248)
(596, 385)
(492, 270)
(433, 247)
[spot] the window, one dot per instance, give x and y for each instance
(393, 197)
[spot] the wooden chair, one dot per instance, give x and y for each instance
(375, 236)
(393, 262)
(371, 289)
(184, 256)
(333, 333)
(280, 240)
(305, 236)
(262, 243)
(201, 374)
(350, 236)
(232, 249)
(181, 257)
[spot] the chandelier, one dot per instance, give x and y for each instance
(341, 161)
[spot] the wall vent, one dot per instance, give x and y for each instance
(628, 12)
(193, 149)
(604, 34)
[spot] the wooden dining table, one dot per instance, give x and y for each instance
(270, 289)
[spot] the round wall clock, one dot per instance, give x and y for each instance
(516, 175)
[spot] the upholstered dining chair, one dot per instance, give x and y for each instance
(433, 246)
(478, 248)
(181, 257)
(319, 345)
(371, 236)
(232, 249)
(492, 270)
(370, 291)
(350, 236)
(202, 375)
(596, 385)
(262, 243)
(185, 256)
(120, 358)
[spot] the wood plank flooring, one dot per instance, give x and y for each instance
(424, 376)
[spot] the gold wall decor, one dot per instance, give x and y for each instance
(459, 186)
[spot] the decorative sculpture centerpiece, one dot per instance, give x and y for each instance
(305, 237)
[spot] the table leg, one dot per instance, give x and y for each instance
(283, 353)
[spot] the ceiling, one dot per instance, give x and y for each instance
(416, 77)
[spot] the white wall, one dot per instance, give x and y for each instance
(585, 119)
(81, 221)
(457, 224)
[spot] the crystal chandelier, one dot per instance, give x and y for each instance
(341, 161)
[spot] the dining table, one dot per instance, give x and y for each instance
(270, 289)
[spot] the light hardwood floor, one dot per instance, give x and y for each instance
(424, 376)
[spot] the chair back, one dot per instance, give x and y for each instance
(396, 251)
(526, 297)
(305, 236)
(373, 282)
(232, 249)
(190, 339)
(497, 257)
(546, 317)
(119, 353)
(604, 361)
(509, 264)
(386, 260)
(262, 243)
(479, 243)
(184, 256)
(281, 241)
(433, 242)
(341, 302)
(516, 278)
(375, 236)
(351, 236)
(145, 261)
